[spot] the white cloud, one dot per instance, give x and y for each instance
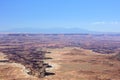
(115, 22)
(106, 23)
(96, 23)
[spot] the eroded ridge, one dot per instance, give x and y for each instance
(31, 58)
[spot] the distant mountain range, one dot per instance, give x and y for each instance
(54, 31)
(50, 30)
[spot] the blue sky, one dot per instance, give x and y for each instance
(92, 15)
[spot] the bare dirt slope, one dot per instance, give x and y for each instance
(81, 64)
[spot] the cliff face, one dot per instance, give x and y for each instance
(117, 56)
(13, 71)
(31, 58)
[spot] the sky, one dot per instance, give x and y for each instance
(37, 15)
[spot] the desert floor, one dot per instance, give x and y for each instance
(80, 64)
(70, 63)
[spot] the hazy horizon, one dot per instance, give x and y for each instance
(60, 16)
